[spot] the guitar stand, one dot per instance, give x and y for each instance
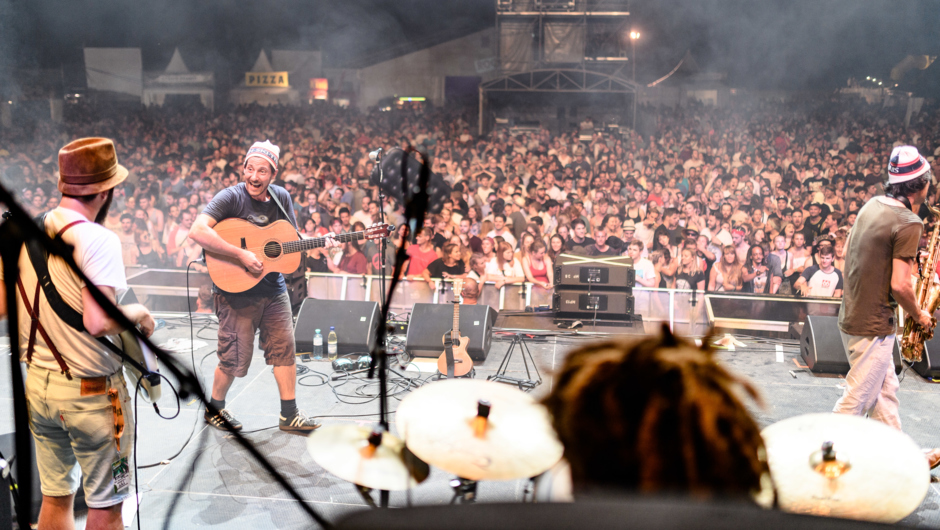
(366, 494)
(465, 490)
(470, 375)
(523, 384)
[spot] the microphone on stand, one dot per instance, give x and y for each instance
(376, 155)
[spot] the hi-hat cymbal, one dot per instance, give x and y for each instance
(440, 424)
(879, 473)
(343, 450)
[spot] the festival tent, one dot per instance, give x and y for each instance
(261, 91)
(178, 79)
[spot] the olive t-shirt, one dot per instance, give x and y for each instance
(882, 232)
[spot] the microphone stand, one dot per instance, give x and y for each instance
(384, 244)
(415, 209)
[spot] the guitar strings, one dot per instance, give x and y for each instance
(296, 245)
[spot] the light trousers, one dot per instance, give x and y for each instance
(871, 386)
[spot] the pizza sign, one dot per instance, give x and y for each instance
(266, 79)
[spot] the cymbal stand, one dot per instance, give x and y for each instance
(415, 210)
(465, 490)
(366, 494)
(524, 384)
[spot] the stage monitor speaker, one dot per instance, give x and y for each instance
(354, 321)
(429, 323)
(929, 366)
(822, 350)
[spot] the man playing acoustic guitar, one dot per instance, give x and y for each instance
(266, 306)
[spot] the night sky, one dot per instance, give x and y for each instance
(792, 44)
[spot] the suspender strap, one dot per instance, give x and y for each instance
(37, 325)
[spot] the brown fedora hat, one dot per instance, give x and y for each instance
(88, 166)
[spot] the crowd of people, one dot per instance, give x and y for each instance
(758, 199)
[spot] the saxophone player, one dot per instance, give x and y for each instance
(880, 257)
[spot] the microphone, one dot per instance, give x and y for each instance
(376, 155)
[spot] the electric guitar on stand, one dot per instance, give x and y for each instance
(275, 245)
(462, 361)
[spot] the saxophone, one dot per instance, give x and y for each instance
(927, 295)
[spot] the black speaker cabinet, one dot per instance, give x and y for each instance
(354, 321)
(429, 322)
(606, 305)
(822, 350)
(929, 366)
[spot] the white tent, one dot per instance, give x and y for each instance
(178, 79)
(300, 66)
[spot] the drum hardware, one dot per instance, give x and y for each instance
(478, 430)
(464, 490)
(369, 458)
(863, 469)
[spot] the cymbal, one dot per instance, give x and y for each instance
(343, 450)
(440, 422)
(878, 473)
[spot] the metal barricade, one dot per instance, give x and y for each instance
(655, 305)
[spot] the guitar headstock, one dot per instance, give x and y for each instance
(458, 287)
(378, 231)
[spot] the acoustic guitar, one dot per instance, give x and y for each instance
(462, 361)
(275, 245)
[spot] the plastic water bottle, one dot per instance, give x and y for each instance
(331, 344)
(317, 346)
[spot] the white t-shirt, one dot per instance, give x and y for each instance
(644, 269)
(98, 255)
(364, 217)
(509, 269)
(506, 235)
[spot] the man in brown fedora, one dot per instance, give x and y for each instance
(80, 411)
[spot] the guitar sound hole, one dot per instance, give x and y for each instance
(272, 249)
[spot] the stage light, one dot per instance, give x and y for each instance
(634, 35)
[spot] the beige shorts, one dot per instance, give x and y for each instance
(75, 435)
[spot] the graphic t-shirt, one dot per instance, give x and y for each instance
(235, 202)
(822, 283)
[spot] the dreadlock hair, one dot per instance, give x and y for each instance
(658, 416)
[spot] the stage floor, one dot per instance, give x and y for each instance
(214, 484)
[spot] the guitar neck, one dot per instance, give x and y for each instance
(302, 245)
(455, 332)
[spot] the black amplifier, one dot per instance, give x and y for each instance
(605, 305)
(611, 273)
